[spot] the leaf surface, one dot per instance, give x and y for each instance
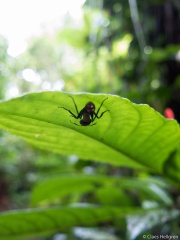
(15, 225)
(53, 189)
(127, 135)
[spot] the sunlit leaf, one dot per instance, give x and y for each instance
(127, 135)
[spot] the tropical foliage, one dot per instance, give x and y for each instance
(117, 178)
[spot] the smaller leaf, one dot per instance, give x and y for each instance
(113, 197)
(55, 188)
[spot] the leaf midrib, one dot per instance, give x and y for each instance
(95, 139)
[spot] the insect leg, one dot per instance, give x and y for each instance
(101, 114)
(92, 124)
(75, 123)
(72, 114)
(75, 105)
(96, 114)
(101, 106)
(79, 114)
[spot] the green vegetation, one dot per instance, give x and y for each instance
(116, 179)
(117, 138)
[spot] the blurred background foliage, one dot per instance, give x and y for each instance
(129, 48)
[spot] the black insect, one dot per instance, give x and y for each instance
(87, 114)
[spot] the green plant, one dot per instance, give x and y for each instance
(129, 135)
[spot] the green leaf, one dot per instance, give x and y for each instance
(53, 189)
(162, 54)
(127, 135)
(172, 166)
(112, 196)
(15, 225)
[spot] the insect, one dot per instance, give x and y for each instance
(87, 115)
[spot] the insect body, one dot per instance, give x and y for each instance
(87, 114)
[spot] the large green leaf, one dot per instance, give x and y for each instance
(15, 225)
(27, 223)
(127, 135)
